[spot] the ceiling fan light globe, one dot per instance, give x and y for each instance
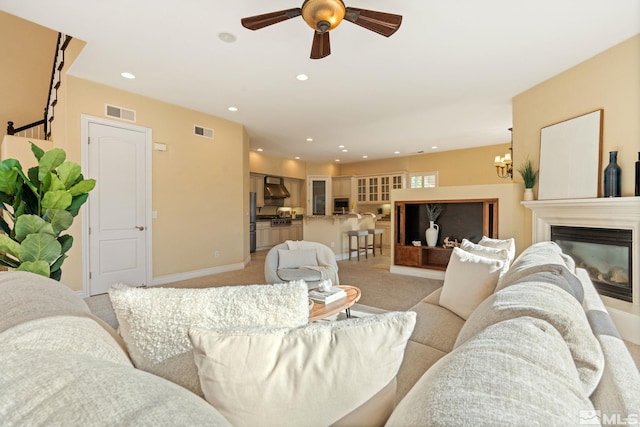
(323, 15)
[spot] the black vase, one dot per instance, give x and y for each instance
(638, 176)
(612, 176)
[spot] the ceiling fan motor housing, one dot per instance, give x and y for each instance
(323, 15)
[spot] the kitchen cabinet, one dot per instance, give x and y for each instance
(341, 186)
(256, 184)
(294, 186)
(385, 226)
(377, 188)
(263, 235)
(319, 195)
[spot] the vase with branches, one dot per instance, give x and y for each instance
(433, 211)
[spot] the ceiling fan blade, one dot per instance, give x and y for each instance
(382, 23)
(321, 46)
(261, 21)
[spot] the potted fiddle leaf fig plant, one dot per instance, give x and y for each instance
(529, 177)
(37, 207)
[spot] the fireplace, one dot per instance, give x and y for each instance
(606, 254)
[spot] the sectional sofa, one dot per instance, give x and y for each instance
(531, 345)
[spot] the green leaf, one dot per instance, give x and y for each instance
(10, 164)
(50, 161)
(37, 267)
(32, 224)
(37, 151)
(82, 187)
(56, 274)
(4, 226)
(8, 262)
(10, 246)
(56, 184)
(56, 200)
(65, 242)
(9, 182)
(40, 247)
(76, 203)
(60, 219)
(69, 173)
(56, 265)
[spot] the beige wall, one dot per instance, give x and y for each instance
(457, 167)
(282, 166)
(611, 81)
(24, 85)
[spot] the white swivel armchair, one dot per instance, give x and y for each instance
(301, 260)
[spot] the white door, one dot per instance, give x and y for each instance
(118, 206)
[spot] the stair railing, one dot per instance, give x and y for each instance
(52, 99)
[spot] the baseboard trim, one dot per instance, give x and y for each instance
(163, 280)
(417, 272)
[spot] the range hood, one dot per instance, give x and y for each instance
(274, 188)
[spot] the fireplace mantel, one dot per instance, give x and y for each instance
(609, 212)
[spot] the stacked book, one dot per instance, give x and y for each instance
(327, 297)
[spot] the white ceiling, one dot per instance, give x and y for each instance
(445, 79)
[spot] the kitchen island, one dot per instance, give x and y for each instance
(331, 230)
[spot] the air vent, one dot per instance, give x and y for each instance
(119, 113)
(203, 131)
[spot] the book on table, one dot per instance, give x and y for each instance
(327, 297)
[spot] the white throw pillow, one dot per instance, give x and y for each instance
(468, 281)
(296, 258)
(488, 252)
(508, 244)
(308, 376)
(154, 322)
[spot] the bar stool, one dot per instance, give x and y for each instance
(357, 234)
(375, 232)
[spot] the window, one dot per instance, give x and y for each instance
(423, 179)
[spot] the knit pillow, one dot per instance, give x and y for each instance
(154, 322)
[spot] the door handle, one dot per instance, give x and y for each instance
(139, 227)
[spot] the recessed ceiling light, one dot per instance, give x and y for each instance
(227, 37)
(435, 147)
(259, 149)
(309, 139)
(344, 150)
(232, 108)
(340, 146)
(396, 152)
(337, 160)
(302, 77)
(297, 157)
(127, 75)
(365, 157)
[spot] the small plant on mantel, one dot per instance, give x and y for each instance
(433, 211)
(528, 174)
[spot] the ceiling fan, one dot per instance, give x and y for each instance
(325, 15)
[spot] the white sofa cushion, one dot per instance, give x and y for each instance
(469, 279)
(296, 258)
(488, 252)
(518, 373)
(507, 244)
(154, 322)
(308, 376)
(551, 303)
(56, 388)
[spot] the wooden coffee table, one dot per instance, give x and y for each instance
(320, 311)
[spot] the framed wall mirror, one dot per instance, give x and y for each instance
(571, 158)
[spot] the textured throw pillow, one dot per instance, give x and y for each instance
(515, 373)
(309, 376)
(54, 388)
(552, 304)
(468, 281)
(508, 244)
(539, 257)
(488, 252)
(154, 322)
(296, 258)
